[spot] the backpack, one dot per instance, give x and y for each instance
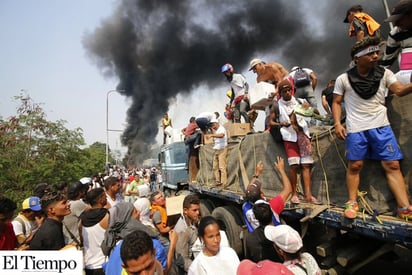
(301, 78)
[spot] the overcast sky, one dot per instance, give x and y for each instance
(42, 54)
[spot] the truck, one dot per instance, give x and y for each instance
(173, 166)
(376, 226)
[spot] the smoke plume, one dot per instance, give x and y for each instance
(159, 49)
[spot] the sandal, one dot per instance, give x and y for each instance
(295, 199)
(351, 210)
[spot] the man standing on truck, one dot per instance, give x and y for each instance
(368, 133)
(296, 140)
(219, 157)
(240, 87)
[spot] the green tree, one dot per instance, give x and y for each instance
(35, 150)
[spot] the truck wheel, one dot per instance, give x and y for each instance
(206, 207)
(228, 223)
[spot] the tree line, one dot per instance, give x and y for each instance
(35, 150)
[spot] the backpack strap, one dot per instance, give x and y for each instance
(301, 266)
(23, 226)
(72, 235)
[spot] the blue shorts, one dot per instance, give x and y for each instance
(377, 144)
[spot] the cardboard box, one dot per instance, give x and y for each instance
(238, 129)
(174, 208)
(208, 139)
(259, 95)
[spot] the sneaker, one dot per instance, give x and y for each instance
(351, 210)
(295, 199)
(405, 213)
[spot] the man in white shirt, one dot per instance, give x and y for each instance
(220, 154)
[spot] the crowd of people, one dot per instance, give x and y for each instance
(136, 237)
(120, 220)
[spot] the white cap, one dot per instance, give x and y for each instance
(284, 237)
(254, 62)
(213, 120)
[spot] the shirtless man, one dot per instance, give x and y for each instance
(271, 72)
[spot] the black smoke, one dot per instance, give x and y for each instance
(160, 48)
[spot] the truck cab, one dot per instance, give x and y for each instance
(173, 161)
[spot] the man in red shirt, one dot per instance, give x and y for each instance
(7, 237)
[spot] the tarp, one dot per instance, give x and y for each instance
(328, 173)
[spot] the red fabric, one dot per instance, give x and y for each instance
(190, 129)
(291, 148)
(238, 99)
(8, 238)
(277, 204)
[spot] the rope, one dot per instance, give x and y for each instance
(323, 169)
(366, 207)
(337, 149)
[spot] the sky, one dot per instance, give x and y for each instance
(42, 55)
(50, 51)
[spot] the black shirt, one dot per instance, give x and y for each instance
(328, 92)
(49, 237)
(259, 248)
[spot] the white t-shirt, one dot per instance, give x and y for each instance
(364, 114)
(18, 228)
(225, 262)
(220, 143)
(238, 84)
(114, 202)
(307, 262)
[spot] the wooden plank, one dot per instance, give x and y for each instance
(324, 249)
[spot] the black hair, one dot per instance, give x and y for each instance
(204, 222)
(109, 182)
(6, 205)
(154, 194)
(263, 213)
(135, 245)
(50, 198)
(93, 195)
(40, 189)
(60, 186)
(363, 44)
(190, 199)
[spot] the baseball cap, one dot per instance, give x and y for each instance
(214, 119)
(253, 190)
(254, 62)
(265, 267)
(284, 237)
(32, 203)
(353, 8)
(402, 8)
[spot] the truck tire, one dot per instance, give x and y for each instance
(206, 207)
(228, 222)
